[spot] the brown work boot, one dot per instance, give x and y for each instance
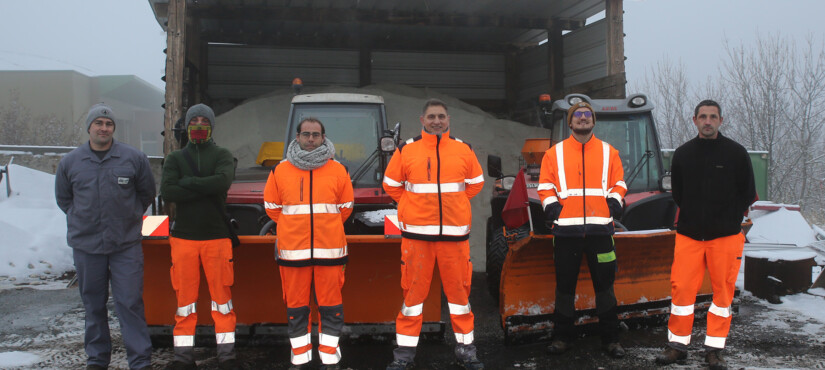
(670, 355)
(715, 360)
(558, 346)
(614, 350)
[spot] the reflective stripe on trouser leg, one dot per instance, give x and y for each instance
(299, 338)
(329, 280)
(219, 271)
(185, 277)
(724, 256)
(456, 272)
(332, 323)
(686, 275)
(417, 262)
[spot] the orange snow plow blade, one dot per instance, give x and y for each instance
(372, 291)
(642, 284)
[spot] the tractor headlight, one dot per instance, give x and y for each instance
(575, 100)
(387, 144)
(637, 101)
(507, 182)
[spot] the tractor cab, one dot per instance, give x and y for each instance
(357, 126)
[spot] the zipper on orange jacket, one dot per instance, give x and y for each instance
(438, 181)
(584, 197)
(301, 197)
(428, 168)
(311, 219)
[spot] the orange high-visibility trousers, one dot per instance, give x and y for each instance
(297, 285)
(722, 258)
(418, 259)
(216, 257)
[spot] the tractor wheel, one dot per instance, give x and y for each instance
(497, 248)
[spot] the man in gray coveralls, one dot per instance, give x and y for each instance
(104, 187)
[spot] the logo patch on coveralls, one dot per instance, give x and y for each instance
(122, 180)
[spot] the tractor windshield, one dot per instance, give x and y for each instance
(633, 136)
(353, 129)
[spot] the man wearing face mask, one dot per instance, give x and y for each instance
(309, 196)
(433, 177)
(581, 188)
(196, 178)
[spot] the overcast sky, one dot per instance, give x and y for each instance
(104, 37)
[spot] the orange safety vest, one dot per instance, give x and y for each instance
(433, 178)
(581, 177)
(310, 208)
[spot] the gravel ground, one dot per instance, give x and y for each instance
(49, 323)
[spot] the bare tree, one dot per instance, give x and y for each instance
(14, 121)
(667, 86)
(19, 127)
(775, 94)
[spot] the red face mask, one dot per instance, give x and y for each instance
(199, 134)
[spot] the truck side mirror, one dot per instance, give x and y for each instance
(494, 166)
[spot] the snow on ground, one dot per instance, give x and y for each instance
(17, 358)
(781, 227)
(33, 247)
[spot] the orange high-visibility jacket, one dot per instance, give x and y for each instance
(310, 208)
(433, 178)
(581, 177)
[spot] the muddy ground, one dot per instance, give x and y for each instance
(49, 323)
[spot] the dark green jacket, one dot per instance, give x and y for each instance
(196, 217)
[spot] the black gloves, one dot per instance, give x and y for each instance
(615, 207)
(551, 214)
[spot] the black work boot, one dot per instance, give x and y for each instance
(184, 358)
(402, 358)
(467, 357)
(715, 360)
(670, 355)
(559, 346)
(614, 350)
(400, 365)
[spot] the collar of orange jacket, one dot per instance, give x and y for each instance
(432, 139)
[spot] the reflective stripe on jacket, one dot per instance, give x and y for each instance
(310, 208)
(581, 177)
(433, 179)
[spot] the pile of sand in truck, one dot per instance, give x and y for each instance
(244, 128)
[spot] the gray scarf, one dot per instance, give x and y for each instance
(308, 161)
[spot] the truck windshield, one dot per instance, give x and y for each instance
(353, 129)
(634, 138)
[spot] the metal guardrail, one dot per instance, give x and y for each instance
(5, 171)
(36, 149)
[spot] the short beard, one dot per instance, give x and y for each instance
(583, 131)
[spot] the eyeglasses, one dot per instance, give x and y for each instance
(586, 113)
(307, 134)
(434, 116)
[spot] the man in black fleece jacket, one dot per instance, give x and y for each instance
(713, 186)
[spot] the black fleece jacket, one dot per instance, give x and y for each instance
(713, 186)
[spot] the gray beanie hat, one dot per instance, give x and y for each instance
(202, 110)
(99, 110)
